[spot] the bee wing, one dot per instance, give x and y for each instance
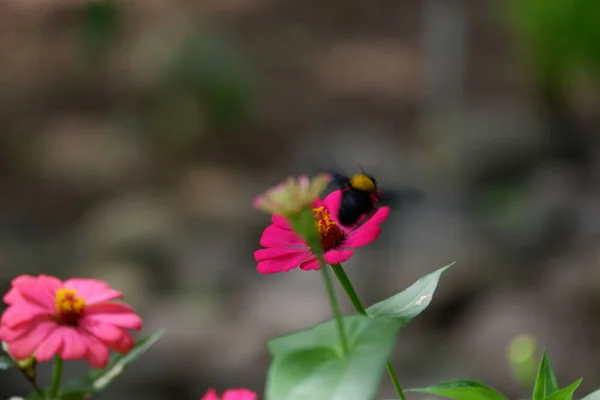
(405, 196)
(340, 180)
(393, 199)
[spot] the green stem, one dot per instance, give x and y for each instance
(35, 387)
(304, 224)
(56, 377)
(31, 380)
(347, 285)
(334, 306)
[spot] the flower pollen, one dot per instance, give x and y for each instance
(69, 306)
(331, 234)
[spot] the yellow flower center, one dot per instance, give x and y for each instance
(69, 306)
(331, 234)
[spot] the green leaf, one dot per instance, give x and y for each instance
(593, 396)
(565, 393)
(545, 383)
(411, 302)
(98, 379)
(461, 390)
(310, 364)
(6, 363)
(322, 335)
(119, 363)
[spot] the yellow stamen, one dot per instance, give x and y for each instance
(69, 306)
(331, 234)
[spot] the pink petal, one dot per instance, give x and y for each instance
(275, 236)
(9, 334)
(40, 291)
(97, 353)
(312, 264)
(318, 203)
(51, 346)
(93, 291)
(124, 344)
(24, 347)
(107, 333)
(51, 283)
(380, 215)
(109, 308)
(21, 279)
(115, 314)
(277, 252)
(12, 296)
(281, 222)
(271, 261)
(21, 312)
(74, 346)
(333, 202)
(239, 394)
(128, 321)
(337, 256)
(210, 395)
(112, 336)
(369, 231)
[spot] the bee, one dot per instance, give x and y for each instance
(361, 196)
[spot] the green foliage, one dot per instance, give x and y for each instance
(310, 364)
(545, 388)
(565, 393)
(462, 390)
(562, 35)
(99, 379)
(545, 383)
(411, 302)
(303, 223)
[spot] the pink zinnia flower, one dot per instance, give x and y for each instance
(231, 394)
(72, 319)
(286, 250)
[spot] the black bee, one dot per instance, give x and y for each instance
(361, 195)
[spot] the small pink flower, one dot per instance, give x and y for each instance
(73, 319)
(293, 195)
(231, 394)
(286, 250)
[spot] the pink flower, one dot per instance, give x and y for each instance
(286, 250)
(72, 319)
(231, 394)
(293, 195)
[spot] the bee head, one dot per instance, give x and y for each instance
(363, 182)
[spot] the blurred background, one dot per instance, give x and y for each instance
(135, 135)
